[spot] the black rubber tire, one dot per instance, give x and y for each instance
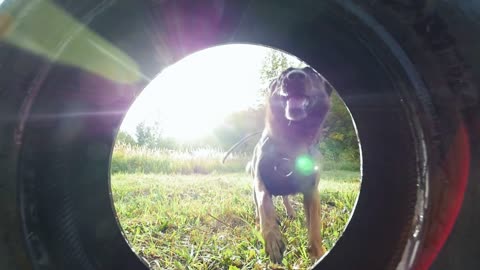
(410, 82)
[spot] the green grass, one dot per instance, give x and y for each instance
(206, 221)
(132, 159)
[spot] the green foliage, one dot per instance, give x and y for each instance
(207, 221)
(145, 135)
(340, 141)
(125, 139)
(273, 64)
(150, 136)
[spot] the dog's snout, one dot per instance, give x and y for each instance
(294, 83)
(296, 75)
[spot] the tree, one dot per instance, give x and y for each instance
(151, 136)
(125, 138)
(339, 137)
(145, 135)
(273, 64)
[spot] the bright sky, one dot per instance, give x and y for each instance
(195, 94)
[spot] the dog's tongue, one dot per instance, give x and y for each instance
(296, 103)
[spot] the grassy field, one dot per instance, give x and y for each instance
(205, 219)
(133, 159)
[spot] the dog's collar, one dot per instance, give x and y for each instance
(286, 165)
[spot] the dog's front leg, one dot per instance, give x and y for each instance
(311, 202)
(274, 245)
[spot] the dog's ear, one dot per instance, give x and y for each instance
(327, 86)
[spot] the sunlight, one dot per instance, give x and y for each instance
(191, 97)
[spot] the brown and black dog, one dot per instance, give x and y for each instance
(285, 160)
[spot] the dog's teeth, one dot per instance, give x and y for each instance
(296, 102)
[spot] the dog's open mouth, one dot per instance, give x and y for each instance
(296, 107)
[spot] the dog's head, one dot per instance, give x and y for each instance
(298, 92)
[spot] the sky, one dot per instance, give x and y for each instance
(192, 96)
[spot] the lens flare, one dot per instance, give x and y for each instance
(305, 165)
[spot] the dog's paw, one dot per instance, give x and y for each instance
(274, 246)
(316, 251)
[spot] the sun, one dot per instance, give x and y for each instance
(193, 96)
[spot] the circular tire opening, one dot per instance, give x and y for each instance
(179, 205)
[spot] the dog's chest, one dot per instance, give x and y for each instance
(284, 174)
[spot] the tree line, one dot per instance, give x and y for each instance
(339, 141)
